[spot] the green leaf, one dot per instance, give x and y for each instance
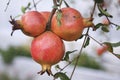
(98, 25)
(100, 15)
(105, 29)
(118, 27)
(59, 16)
(104, 12)
(28, 4)
(87, 42)
(23, 9)
(110, 48)
(66, 58)
(117, 44)
(62, 76)
(57, 67)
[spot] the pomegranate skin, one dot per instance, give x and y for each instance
(33, 23)
(46, 15)
(47, 50)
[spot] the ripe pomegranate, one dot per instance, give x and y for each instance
(32, 23)
(101, 50)
(71, 24)
(47, 50)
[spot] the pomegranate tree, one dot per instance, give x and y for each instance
(49, 28)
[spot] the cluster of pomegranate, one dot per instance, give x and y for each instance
(47, 47)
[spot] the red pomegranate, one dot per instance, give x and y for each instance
(71, 24)
(32, 23)
(102, 50)
(47, 50)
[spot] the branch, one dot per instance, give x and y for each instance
(7, 5)
(48, 26)
(34, 5)
(86, 35)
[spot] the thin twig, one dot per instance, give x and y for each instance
(82, 44)
(34, 5)
(93, 10)
(66, 3)
(7, 5)
(111, 22)
(95, 40)
(79, 54)
(65, 66)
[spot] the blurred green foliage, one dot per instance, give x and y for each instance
(87, 61)
(5, 76)
(13, 51)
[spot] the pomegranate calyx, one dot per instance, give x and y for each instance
(88, 22)
(16, 24)
(46, 68)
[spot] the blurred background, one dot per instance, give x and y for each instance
(15, 59)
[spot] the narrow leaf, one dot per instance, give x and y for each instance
(117, 44)
(87, 42)
(62, 76)
(104, 12)
(57, 67)
(118, 27)
(105, 29)
(29, 4)
(100, 15)
(66, 58)
(98, 26)
(23, 9)
(59, 16)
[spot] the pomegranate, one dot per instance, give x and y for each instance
(106, 22)
(32, 23)
(71, 24)
(47, 50)
(101, 50)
